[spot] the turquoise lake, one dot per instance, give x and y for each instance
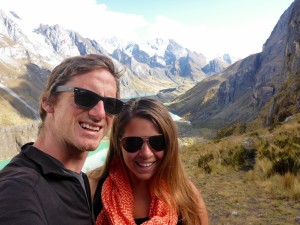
(94, 159)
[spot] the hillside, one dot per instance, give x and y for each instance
(241, 91)
(248, 174)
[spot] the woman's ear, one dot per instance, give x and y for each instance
(47, 105)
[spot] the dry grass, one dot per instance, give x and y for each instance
(232, 198)
(10, 116)
(241, 194)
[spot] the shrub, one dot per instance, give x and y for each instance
(234, 157)
(203, 162)
(237, 128)
(286, 163)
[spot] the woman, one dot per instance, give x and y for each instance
(143, 180)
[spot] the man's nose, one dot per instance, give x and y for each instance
(98, 111)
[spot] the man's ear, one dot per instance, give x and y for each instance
(47, 105)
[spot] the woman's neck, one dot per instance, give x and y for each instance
(142, 200)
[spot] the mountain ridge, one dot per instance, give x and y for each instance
(241, 91)
(29, 53)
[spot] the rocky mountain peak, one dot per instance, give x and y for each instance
(151, 66)
(242, 90)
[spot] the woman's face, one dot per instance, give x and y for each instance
(143, 163)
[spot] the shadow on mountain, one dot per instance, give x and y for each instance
(261, 85)
(24, 97)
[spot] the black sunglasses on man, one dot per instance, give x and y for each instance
(88, 99)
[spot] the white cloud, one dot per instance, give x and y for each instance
(85, 16)
(96, 20)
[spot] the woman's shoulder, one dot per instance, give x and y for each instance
(96, 183)
(94, 177)
(95, 173)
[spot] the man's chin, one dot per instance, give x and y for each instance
(88, 148)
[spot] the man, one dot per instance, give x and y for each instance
(44, 183)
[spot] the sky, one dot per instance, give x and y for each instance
(237, 27)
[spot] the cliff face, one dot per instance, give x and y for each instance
(286, 101)
(242, 90)
(292, 60)
(13, 137)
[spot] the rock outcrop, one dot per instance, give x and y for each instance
(13, 137)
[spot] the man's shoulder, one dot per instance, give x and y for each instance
(20, 196)
(19, 176)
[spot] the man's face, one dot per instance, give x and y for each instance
(77, 127)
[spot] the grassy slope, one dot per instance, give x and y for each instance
(230, 192)
(232, 200)
(235, 196)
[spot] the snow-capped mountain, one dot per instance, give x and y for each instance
(52, 43)
(29, 53)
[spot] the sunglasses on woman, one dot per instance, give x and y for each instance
(133, 144)
(88, 99)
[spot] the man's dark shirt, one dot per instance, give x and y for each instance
(35, 189)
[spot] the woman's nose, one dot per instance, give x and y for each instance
(145, 150)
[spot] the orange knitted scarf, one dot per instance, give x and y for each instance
(117, 199)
